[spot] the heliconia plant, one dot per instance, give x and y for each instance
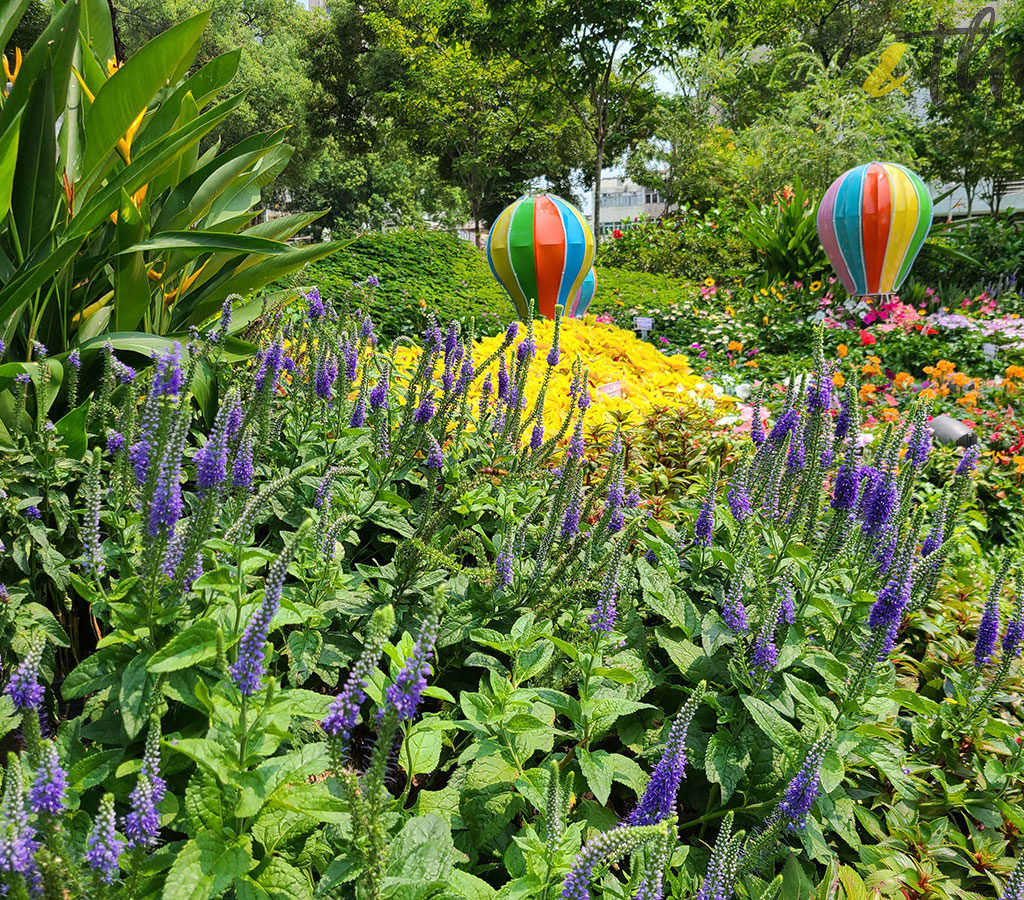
(113, 225)
(363, 630)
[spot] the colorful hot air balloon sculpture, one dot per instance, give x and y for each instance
(872, 222)
(540, 249)
(583, 296)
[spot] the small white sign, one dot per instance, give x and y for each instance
(612, 389)
(989, 350)
(643, 324)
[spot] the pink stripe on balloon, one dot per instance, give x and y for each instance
(827, 235)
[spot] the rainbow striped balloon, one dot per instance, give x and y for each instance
(584, 295)
(872, 223)
(540, 249)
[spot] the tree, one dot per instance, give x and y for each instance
(490, 124)
(599, 55)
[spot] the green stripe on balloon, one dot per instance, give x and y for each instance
(924, 223)
(521, 251)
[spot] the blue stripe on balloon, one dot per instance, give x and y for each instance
(575, 249)
(494, 271)
(588, 290)
(847, 220)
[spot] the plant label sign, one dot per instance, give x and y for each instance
(612, 389)
(643, 324)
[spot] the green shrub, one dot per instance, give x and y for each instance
(996, 247)
(694, 247)
(414, 266)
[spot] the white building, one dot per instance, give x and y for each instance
(623, 201)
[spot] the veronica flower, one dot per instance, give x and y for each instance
(425, 411)
(115, 441)
(919, 445)
(933, 541)
(844, 420)
(887, 611)
(571, 521)
(819, 394)
(434, 460)
(432, 337)
(314, 305)
(142, 824)
(372, 280)
(247, 671)
(847, 483)
(168, 379)
(527, 347)
(584, 400)
(33, 513)
(242, 468)
(988, 631)
(104, 847)
(787, 610)
(485, 394)
(212, 459)
(18, 844)
(796, 457)
(165, 507)
(537, 437)
(659, 799)
(967, 462)
(878, 500)
(614, 844)
(75, 359)
(358, 418)
(405, 693)
(605, 614)
(734, 612)
(785, 424)
(511, 332)
(503, 566)
(503, 380)
(344, 710)
(803, 790)
(1014, 887)
(705, 524)
(24, 688)
(576, 446)
(51, 782)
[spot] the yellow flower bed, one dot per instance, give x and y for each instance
(627, 376)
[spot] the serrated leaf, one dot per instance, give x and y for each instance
(195, 645)
(136, 691)
(599, 771)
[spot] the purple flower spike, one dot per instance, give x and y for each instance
(705, 524)
(659, 799)
(405, 694)
(104, 847)
(435, 459)
(24, 687)
(168, 379)
(968, 462)
(988, 631)
(314, 305)
(803, 790)
(51, 782)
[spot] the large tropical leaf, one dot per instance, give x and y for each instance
(131, 89)
(204, 241)
(8, 159)
(10, 15)
(34, 192)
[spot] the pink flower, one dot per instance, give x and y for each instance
(663, 340)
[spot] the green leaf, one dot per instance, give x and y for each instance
(599, 770)
(131, 278)
(206, 866)
(282, 881)
(94, 769)
(204, 803)
(423, 850)
(8, 160)
(71, 427)
(96, 30)
(10, 15)
(832, 771)
(775, 728)
(206, 241)
(195, 645)
(131, 88)
(136, 690)
(421, 748)
(725, 762)
(34, 190)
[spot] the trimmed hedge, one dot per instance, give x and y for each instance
(422, 271)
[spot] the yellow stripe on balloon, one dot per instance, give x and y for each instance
(502, 260)
(588, 253)
(903, 223)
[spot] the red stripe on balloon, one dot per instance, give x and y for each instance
(876, 216)
(549, 253)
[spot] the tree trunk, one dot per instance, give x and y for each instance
(598, 169)
(476, 228)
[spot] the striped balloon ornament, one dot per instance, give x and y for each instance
(584, 295)
(540, 249)
(872, 222)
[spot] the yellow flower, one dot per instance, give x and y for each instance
(731, 312)
(709, 282)
(765, 320)
(627, 377)
(1018, 461)
(9, 73)
(764, 291)
(815, 285)
(842, 350)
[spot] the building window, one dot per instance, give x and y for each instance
(652, 197)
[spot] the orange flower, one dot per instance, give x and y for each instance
(871, 367)
(842, 350)
(1018, 461)
(903, 380)
(423, 304)
(866, 392)
(752, 363)
(959, 379)
(735, 346)
(1015, 372)
(928, 394)
(838, 380)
